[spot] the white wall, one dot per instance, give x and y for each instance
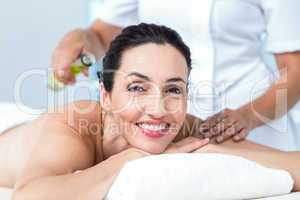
(29, 31)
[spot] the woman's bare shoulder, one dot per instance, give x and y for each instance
(65, 137)
(82, 120)
(79, 121)
(84, 117)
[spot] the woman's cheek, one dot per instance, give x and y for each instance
(179, 115)
(130, 112)
(122, 103)
(175, 105)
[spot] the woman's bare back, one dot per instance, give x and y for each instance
(15, 146)
(18, 144)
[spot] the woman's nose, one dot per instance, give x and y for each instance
(155, 106)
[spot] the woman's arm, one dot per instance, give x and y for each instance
(56, 183)
(269, 157)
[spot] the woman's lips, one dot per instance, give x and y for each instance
(153, 134)
(154, 130)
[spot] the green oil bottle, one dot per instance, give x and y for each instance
(84, 60)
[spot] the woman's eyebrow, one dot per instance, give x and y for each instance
(176, 79)
(139, 75)
(142, 76)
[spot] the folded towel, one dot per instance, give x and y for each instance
(197, 176)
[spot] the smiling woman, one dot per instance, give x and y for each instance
(142, 109)
(159, 101)
(141, 99)
(143, 106)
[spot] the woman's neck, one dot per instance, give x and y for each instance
(113, 141)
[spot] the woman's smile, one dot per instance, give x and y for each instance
(154, 128)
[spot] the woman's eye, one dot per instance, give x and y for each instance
(136, 88)
(176, 91)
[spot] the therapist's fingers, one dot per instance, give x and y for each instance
(67, 52)
(205, 128)
(216, 124)
(208, 123)
(64, 76)
(223, 125)
(62, 59)
(241, 135)
(229, 132)
(186, 145)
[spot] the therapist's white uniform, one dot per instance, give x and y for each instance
(225, 38)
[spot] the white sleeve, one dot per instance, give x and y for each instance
(282, 25)
(119, 12)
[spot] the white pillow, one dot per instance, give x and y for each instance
(5, 193)
(197, 176)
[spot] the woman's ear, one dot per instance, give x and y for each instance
(105, 100)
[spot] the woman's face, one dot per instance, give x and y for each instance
(149, 96)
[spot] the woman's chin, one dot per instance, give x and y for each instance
(152, 149)
(156, 150)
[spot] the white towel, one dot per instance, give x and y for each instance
(5, 193)
(11, 115)
(197, 176)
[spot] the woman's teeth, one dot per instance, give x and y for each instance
(153, 127)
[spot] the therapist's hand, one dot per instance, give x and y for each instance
(67, 52)
(225, 125)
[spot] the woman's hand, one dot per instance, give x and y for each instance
(226, 124)
(186, 145)
(214, 148)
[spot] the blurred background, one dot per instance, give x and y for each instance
(29, 32)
